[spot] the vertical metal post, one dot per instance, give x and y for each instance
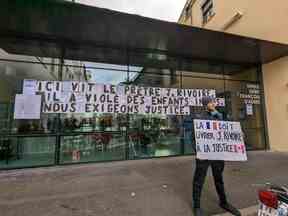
(225, 114)
(127, 126)
(182, 143)
(58, 132)
(262, 96)
(263, 106)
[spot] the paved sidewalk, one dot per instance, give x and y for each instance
(155, 187)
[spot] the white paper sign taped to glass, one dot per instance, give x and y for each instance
(29, 87)
(91, 97)
(27, 106)
(219, 140)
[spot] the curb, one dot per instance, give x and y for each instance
(250, 211)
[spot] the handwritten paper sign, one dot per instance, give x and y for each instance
(219, 140)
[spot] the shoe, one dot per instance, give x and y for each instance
(231, 209)
(198, 212)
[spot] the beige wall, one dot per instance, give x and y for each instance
(261, 19)
(265, 20)
(276, 90)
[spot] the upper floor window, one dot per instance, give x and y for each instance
(188, 10)
(207, 10)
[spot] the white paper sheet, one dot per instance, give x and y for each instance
(249, 109)
(29, 87)
(27, 106)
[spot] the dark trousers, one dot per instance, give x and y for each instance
(199, 179)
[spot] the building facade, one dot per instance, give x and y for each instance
(257, 19)
(54, 41)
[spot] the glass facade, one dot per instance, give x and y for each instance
(91, 137)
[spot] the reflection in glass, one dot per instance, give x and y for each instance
(96, 146)
(153, 136)
(236, 108)
(13, 70)
(26, 151)
(187, 121)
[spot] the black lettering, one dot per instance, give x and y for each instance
(207, 148)
(158, 92)
(72, 98)
(136, 111)
(56, 107)
(130, 109)
(116, 99)
(57, 86)
(47, 107)
(116, 108)
(110, 108)
(88, 97)
(147, 109)
(64, 107)
(73, 107)
(123, 109)
(88, 108)
(168, 91)
(75, 86)
(179, 92)
(95, 108)
(90, 86)
(39, 86)
(126, 89)
(48, 86)
(132, 90)
(55, 97)
(102, 98)
(142, 100)
(129, 99)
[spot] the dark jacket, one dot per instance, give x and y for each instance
(188, 124)
(208, 116)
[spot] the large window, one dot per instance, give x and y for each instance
(90, 137)
(25, 143)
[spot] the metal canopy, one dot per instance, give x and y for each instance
(25, 25)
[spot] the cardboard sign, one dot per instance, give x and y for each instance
(219, 140)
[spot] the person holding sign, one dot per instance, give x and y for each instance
(217, 167)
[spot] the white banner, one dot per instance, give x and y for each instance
(219, 140)
(91, 97)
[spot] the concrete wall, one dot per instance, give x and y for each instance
(265, 20)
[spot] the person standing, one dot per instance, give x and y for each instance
(202, 166)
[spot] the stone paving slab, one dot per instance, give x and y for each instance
(154, 187)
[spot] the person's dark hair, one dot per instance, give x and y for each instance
(206, 100)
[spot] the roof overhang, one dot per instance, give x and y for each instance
(84, 30)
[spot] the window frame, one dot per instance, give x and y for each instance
(207, 11)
